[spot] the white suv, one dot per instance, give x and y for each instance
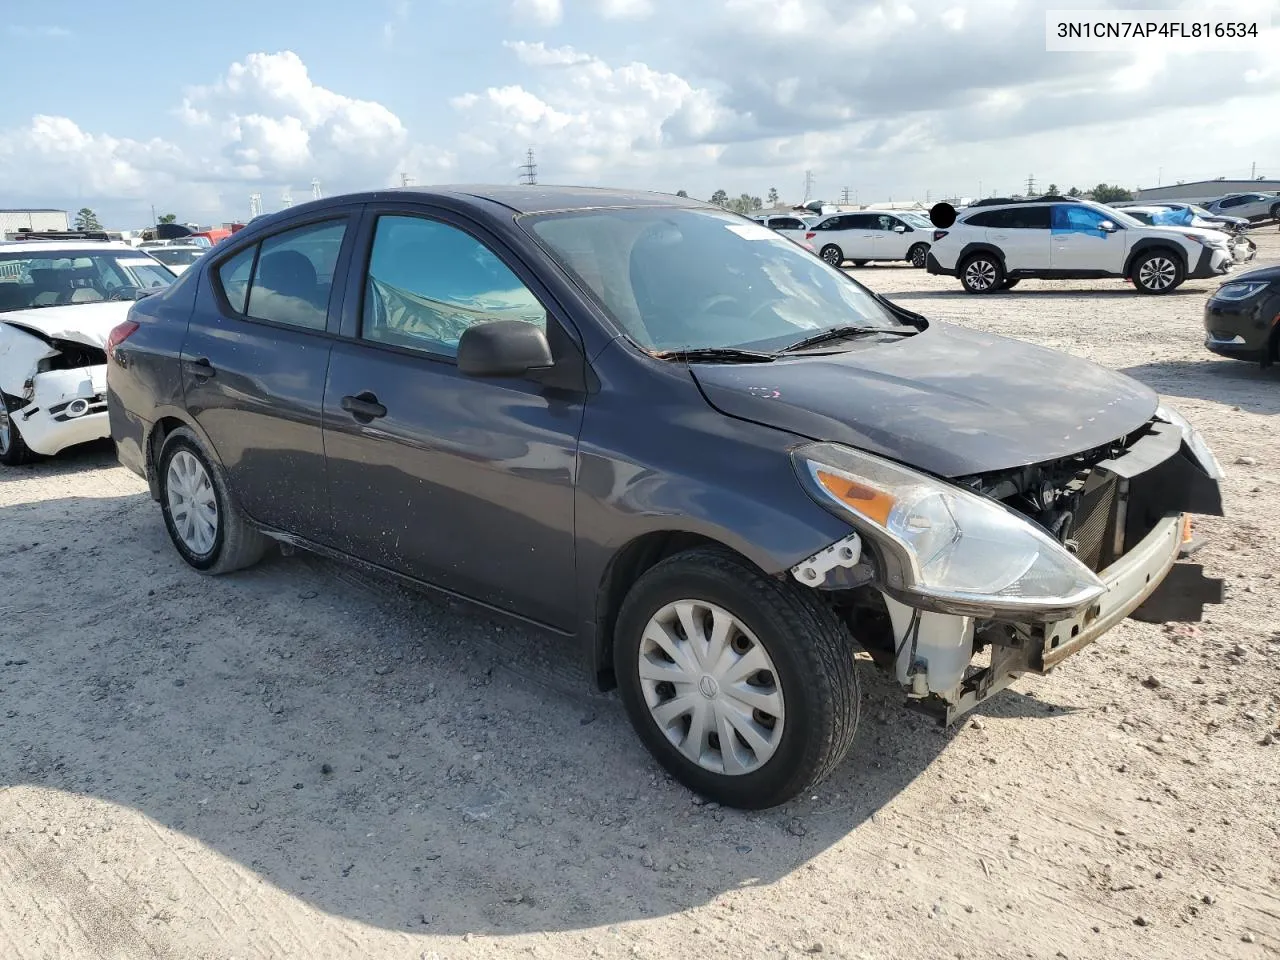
(993, 245)
(871, 235)
(1252, 206)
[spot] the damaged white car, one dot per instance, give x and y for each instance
(59, 301)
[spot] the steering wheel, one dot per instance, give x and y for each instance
(714, 300)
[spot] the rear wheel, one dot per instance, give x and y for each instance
(742, 686)
(982, 273)
(13, 449)
(833, 255)
(1158, 271)
(918, 255)
(206, 526)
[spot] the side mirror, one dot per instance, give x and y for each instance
(1106, 226)
(899, 229)
(503, 348)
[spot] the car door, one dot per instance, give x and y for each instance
(1081, 244)
(254, 362)
(892, 238)
(792, 228)
(461, 481)
(1022, 234)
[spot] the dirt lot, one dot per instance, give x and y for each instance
(301, 761)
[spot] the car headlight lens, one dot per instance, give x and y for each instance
(947, 543)
(1241, 290)
(1194, 441)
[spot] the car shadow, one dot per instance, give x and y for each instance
(86, 456)
(377, 753)
(1233, 382)
(1054, 294)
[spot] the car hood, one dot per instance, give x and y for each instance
(1271, 273)
(87, 323)
(949, 401)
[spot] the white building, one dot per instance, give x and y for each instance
(11, 221)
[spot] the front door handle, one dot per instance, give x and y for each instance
(200, 368)
(364, 407)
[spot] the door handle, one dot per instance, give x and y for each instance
(200, 368)
(364, 407)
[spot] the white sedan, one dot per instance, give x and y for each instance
(59, 301)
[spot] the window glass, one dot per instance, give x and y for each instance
(294, 275)
(786, 223)
(983, 219)
(233, 274)
(1073, 217)
(50, 278)
(428, 282)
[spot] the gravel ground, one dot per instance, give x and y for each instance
(303, 761)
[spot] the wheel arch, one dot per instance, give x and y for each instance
(980, 246)
(1150, 244)
(167, 420)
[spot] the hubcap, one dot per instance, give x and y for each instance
(917, 258)
(192, 503)
(1157, 273)
(980, 274)
(832, 256)
(4, 429)
(711, 687)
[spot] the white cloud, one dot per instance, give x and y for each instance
(625, 9)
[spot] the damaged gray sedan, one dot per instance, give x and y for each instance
(719, 464)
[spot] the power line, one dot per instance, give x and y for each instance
(529, 170)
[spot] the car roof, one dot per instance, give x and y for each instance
(65, 246)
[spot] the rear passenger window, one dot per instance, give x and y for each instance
(234, 274)
(294, 275)
(428, 282)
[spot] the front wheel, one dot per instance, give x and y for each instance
(1275, 212)
(206, 526)
(742, 686)
(918, 255)
(1157, 272)
(832, 254)
(13, 449)
(982, 273)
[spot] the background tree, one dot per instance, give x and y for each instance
(720, 198)
(773, 196)
(745, 203)
(1073, 192)
(168, 218)
(1052, 191)
(86, 219)
(682, 193)
(1110, 193)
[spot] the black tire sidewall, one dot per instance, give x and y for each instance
(996, 282)
(18, 453)
(924, 255)
(761, 787)
(179, 441)
(1179, 273)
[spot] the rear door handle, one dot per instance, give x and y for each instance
(364, 407)
(200, 368)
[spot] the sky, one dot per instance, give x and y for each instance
(191, 107)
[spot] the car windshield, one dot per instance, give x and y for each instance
(1120, 216)
(175, 256)
(31, 278)
(1200, 211)
(677, 279)
(916, 220)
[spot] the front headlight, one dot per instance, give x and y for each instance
(1191, 437)
(1241, 290)
(957, 550)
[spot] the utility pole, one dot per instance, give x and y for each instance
(808, 186)
(844, 195)
(529, 170)
(1253, 171)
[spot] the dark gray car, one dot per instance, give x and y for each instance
(719, 463)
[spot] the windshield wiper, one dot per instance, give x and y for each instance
(717, 355)
(844, 333)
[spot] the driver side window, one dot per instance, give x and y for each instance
(429, 281)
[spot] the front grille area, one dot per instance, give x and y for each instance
(1094, 528)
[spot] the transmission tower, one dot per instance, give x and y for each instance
(808, 186)
(1031, 185)
(406, 180)
(255, 205)
(315, 190)
(286, 199)
(844, 195)
(529, 170)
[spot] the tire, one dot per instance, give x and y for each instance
(807, 673)
(918, 255)
(832, 254)
(13, 449)
(861, 263)
(1156, 272)
(1009, 283)
(1275, 212)
(235, 543)
(982, 273)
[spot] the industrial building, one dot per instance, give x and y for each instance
(1202, 191)
(11, 221)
